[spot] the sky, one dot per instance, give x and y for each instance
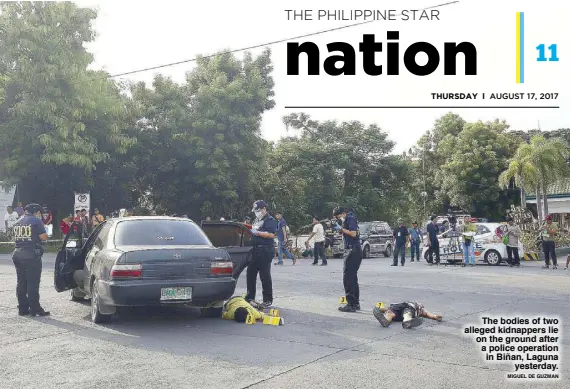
(135, 35)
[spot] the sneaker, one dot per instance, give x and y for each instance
(278, 263)
(380, 317)
(566, 268)
(412, 260)
(39, 312)
(554, 267)
(324, 264)
(394, 264)
(347, 308)
(415, 322)
(314, 263)
(267, 304)
(546, 267)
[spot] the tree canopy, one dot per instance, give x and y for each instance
(196, 148)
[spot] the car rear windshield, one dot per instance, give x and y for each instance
(149, 232)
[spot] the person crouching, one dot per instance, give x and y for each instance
(410, 313)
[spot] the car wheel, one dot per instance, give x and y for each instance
(211, 312)
(388, 252)
(492, 257)
(366, 252)
(96, 315)
(77, 295)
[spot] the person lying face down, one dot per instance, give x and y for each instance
(237, 308)
(410, 313)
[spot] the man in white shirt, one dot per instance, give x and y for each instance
(10, 218)
(319, 235)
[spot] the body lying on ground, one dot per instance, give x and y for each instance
(410, 313)
(238, 309)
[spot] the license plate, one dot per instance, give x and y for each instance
(175, 294)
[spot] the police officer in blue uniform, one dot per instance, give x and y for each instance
(348, 226)
(264, 230)
(29, 235)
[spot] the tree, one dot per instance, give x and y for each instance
(474, 160)
(549, 157)
(345, 164)
(521, 170)
(59, 122)
(203, 151)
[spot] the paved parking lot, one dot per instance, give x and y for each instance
(318, 347)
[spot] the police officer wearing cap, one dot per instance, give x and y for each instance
(264, 230)
(347, 224)
(29, 235)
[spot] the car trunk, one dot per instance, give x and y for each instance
(235, 238)
(170, 262)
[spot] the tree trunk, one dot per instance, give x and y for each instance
(545, 198)
(523, 195)
(538, 204)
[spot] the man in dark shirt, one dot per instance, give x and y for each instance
(432, 241)
(29, 235)
(264, 230)
(401, 237)
(352, 257)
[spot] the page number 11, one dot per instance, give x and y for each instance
(542, 53)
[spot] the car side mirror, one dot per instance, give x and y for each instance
(71, 244)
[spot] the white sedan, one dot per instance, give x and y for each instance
(489, 245)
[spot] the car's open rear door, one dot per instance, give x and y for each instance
(65, 262)
(235, 238)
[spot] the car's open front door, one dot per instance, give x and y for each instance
(66, 261)
(235, 238)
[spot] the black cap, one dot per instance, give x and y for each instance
(260, 204)
(433, 218)
(316, 218)
(33, 208)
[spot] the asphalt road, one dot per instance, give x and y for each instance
(318, 347)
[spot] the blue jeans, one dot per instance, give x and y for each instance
(282, 250)
(415, 248)
(469, 251)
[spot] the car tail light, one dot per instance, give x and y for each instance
(218, 268)
(126, 271)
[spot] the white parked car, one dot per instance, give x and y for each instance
(489, 246)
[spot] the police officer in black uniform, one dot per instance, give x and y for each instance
(29, 235)
(348, 226)
(264, 230)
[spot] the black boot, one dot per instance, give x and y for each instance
(39, 312)
(347, 308)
